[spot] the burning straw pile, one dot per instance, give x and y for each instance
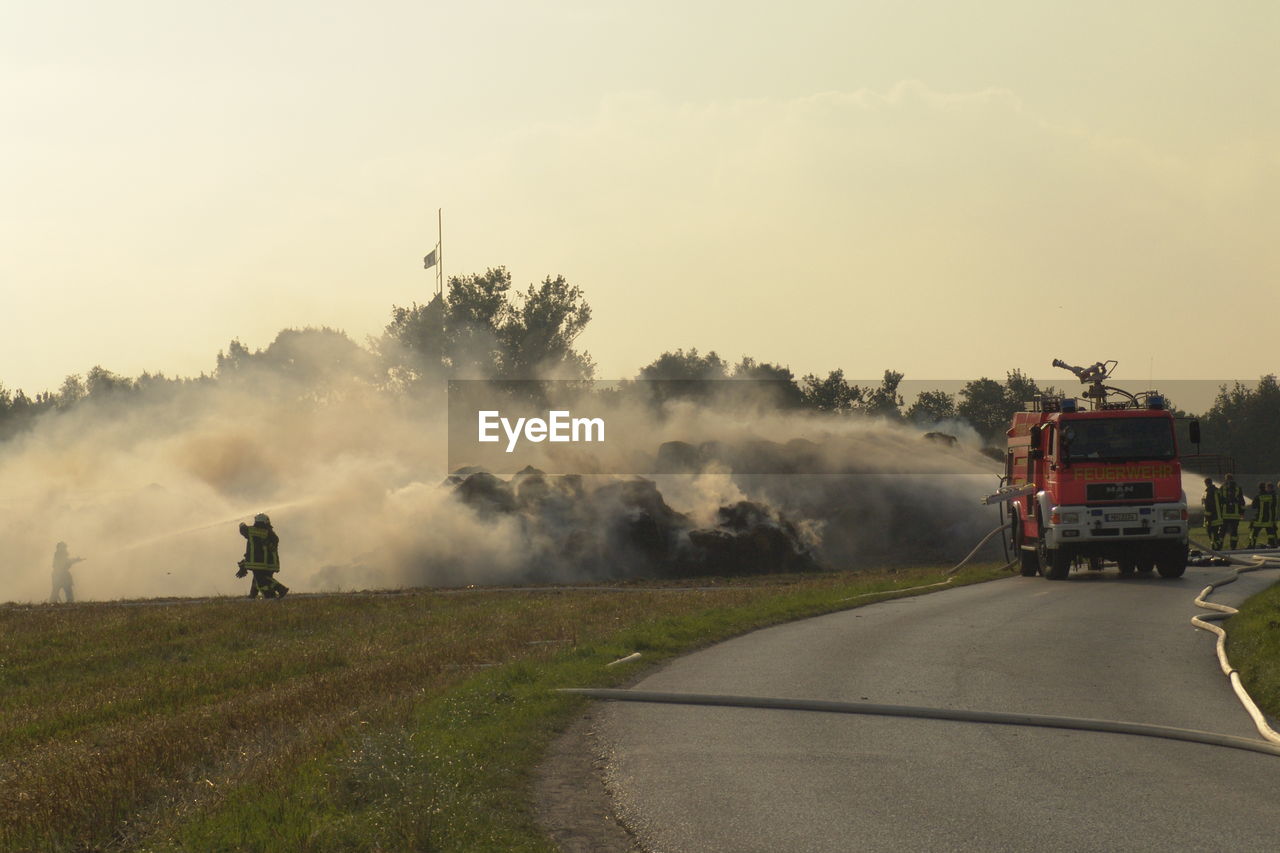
(611, 528)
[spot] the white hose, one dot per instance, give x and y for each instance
(1252, 564)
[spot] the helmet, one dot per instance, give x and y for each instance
(261, 518)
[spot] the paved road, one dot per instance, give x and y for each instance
(728, 779)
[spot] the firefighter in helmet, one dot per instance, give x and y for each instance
(1264, 516)
(262, 557)
(62, 581)
(1230, 511)
(1212, 521)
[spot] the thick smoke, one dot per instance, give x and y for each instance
(849, 492)
(149, 488)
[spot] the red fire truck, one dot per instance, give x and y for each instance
(1096, 479)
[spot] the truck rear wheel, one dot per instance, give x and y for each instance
(1172, 561)
(1146, 563)
(1127, 566)
(1055, 564)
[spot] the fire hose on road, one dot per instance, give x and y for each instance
(1269, 746)
(1241, 564)
(831, 707)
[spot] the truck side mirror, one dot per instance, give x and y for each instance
(1194, 429)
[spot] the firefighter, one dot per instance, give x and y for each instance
(1264, 516)
(62, 564)
(1230, 511)
(262, 557)
(1212, 521)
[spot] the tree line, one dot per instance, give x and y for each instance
(482, 328)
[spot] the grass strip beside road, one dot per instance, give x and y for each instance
(1253, 647)
(367, 722)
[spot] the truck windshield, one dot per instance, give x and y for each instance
(1119, 439)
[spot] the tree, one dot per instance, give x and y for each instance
(311, 363)
(538, 334)
(236, 359)
(682, 365)
(476, 310)
(833, 394)
(681, 375)
(316, 356)
(983, 405)
(931, 407)
(413, 344)
(777, 383)
(1242, 424)
(71, 392)
(102, 383)
(1020, 388)
(885, 402)
(476, 331)
(989, 406)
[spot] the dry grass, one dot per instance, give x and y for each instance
(121, 724)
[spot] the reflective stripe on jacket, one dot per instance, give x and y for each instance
(261, 549)
(1230, 502)
(1264, 509)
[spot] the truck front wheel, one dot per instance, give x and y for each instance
(1055, 563)
(1171, 562)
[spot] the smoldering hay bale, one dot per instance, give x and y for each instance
(614, 528)
(869, 497)
(848, 501)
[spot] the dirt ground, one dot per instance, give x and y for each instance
(570, 797)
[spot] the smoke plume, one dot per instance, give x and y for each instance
(149, 489)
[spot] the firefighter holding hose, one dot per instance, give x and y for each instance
(62, 581)
(1212, 521)
(262, 557)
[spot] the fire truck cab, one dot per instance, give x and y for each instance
(1099, 480)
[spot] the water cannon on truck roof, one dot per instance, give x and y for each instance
(1098, 393)
(1095, 479)
(1092, 376)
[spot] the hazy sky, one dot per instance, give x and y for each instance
(866, 185)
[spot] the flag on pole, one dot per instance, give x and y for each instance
(430, 260)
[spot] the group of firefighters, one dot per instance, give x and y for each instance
(261, 557)
(1224, 509)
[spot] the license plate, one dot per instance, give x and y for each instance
(1122, 516)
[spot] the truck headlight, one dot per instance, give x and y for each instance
(1066, 518)
(1173, 515)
